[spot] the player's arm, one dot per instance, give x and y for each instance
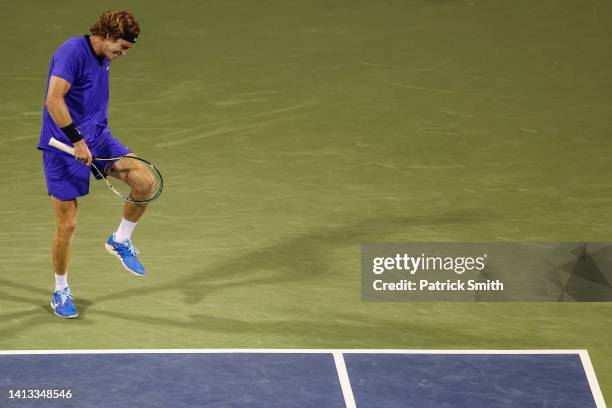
(56, 106)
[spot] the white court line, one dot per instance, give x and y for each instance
(592, 378)
(301, 351)
(345, 383)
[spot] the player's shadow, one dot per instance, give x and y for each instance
(302, 258)
(21, 292)
(36, 296)
(13, 323)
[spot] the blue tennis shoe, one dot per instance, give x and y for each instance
(62, 304)
(127, 254)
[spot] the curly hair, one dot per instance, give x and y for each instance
(117, 24)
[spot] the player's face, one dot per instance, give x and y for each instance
(116, 48)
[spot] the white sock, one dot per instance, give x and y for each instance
(125, 230)
(61, 281)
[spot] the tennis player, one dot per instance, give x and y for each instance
(76, 113)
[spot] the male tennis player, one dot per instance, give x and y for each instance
(76, 113)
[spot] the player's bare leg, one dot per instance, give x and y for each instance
(132, 212)
(65, 221)
(142, 185)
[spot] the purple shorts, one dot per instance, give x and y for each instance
(68, 178)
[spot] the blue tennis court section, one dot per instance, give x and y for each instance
(301, 378)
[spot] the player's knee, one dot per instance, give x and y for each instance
(66, 227)
(144, 185)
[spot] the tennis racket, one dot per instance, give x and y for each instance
(139, 181)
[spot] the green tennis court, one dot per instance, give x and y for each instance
(288, 134)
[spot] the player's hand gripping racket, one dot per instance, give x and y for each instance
(141, 182)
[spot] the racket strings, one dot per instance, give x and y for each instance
(139, 181)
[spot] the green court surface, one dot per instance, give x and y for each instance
(291, 132)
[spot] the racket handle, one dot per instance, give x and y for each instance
(61, 146)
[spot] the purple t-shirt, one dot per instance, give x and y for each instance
(87, 100)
